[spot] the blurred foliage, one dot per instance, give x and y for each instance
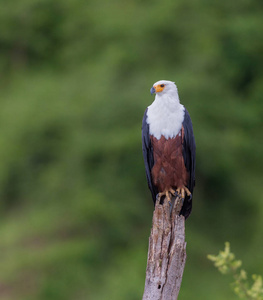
(75, 79)
(226, 264)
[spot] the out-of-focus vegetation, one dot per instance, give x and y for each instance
(227, 264)
(75, 80)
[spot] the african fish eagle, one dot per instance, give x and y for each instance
(169, 146)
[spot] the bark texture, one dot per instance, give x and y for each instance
(166, 253)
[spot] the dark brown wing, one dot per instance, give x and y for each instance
(147, 151)
(189, 160)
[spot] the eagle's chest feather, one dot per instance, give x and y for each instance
(165, 120)
(169, 169)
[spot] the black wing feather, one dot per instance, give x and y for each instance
(189, 160)
(148, 155)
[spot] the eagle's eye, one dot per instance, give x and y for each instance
(162, 85)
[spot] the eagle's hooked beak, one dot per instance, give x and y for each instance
(153, 91)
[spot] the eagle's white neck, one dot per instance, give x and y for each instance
(165, 116)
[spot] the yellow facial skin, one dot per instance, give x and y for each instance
(159, 88)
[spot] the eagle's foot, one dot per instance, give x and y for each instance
(168, 194)
(183, 191)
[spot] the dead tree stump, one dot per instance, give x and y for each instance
(166, 253)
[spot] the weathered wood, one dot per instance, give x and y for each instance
(166, 253)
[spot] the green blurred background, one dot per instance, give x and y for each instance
(75, 79)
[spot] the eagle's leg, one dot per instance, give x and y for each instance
(182, 191)
(167, 193)
(172, 191)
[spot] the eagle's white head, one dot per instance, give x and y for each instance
(165, 89)
(165, 115)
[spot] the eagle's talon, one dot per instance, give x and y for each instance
(158, 199)
(159, 195)
(176, 194)
(172, 191)
(182, 191)
(168, 194)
